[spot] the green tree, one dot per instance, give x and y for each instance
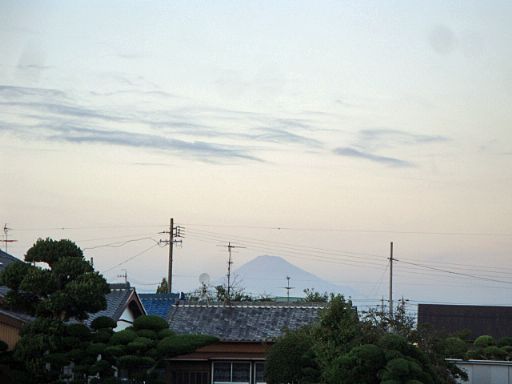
(373, 349)
(66, 287)
(292, 359)
(163, 287)
(313, 296)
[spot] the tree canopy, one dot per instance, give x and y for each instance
(344, 347)
(66, 287)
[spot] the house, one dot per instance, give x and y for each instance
(123, 306)
(245, 331)
(159, 304)
(11, 322)
(476, 319)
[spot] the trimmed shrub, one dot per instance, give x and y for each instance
(494, 352)
(96, 348)
(505, 341)
(155, 323)
(393, 342)
(165, 333)
(148, 333)
(103, 335)
(123, 337)
(78, 330)
(181, 344)
(484, 341)
(454, 347)
(103, 322)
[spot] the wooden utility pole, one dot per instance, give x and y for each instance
(174, 232)
(391, 281)
(171, 242)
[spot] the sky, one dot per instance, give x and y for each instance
(317, 131)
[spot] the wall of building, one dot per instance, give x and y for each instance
(125, 321)
(486, 371)
(9, 334)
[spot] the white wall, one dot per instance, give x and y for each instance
(486, 371)
(125, 321)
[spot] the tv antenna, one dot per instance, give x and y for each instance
(288, 288)
(230, 262)
(6, 235)
(124, 275)
(204, 279)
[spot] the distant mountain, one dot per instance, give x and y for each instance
(267, 274)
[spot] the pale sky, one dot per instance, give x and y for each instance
(346, 124)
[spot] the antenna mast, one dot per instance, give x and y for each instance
(230, 247)
(288, 288)
(6, 235)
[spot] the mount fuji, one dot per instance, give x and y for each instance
(267, 275)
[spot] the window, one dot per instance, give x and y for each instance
(231, 372)
(259, 373)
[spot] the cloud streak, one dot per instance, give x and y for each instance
(389, 161)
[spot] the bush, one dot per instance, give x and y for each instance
(484, 341)
(103, 335)
(155, 323)
(123, 337)
(393, 342)
(165, 333)
(505, 341)
(3, 346)
(78, 330)
(454, 347)
(181, 344)
(148, 333)
(493, 352)
(96, 348)
(103, 322)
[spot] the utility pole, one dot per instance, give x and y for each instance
(174, 233)
(6, 234)
(391, 281)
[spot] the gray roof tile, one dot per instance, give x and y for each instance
(241, 322)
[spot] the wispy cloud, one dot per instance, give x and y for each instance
(369, 144)
(283, 136)
(197, 149)
(203, 132)
(390, 161)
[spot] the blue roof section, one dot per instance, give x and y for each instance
(158, 304)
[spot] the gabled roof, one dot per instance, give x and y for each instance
(477, 319)
(159, 304)
(6, 259)
(120, 296)
(255, 322)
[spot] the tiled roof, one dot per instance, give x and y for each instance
(116, 302)
(6, 259)
(20, 316)
(242, 322)
(158, 304)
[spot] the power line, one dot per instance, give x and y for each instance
(129, 259)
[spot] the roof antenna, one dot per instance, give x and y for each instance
(6, 235)
(288, 288)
